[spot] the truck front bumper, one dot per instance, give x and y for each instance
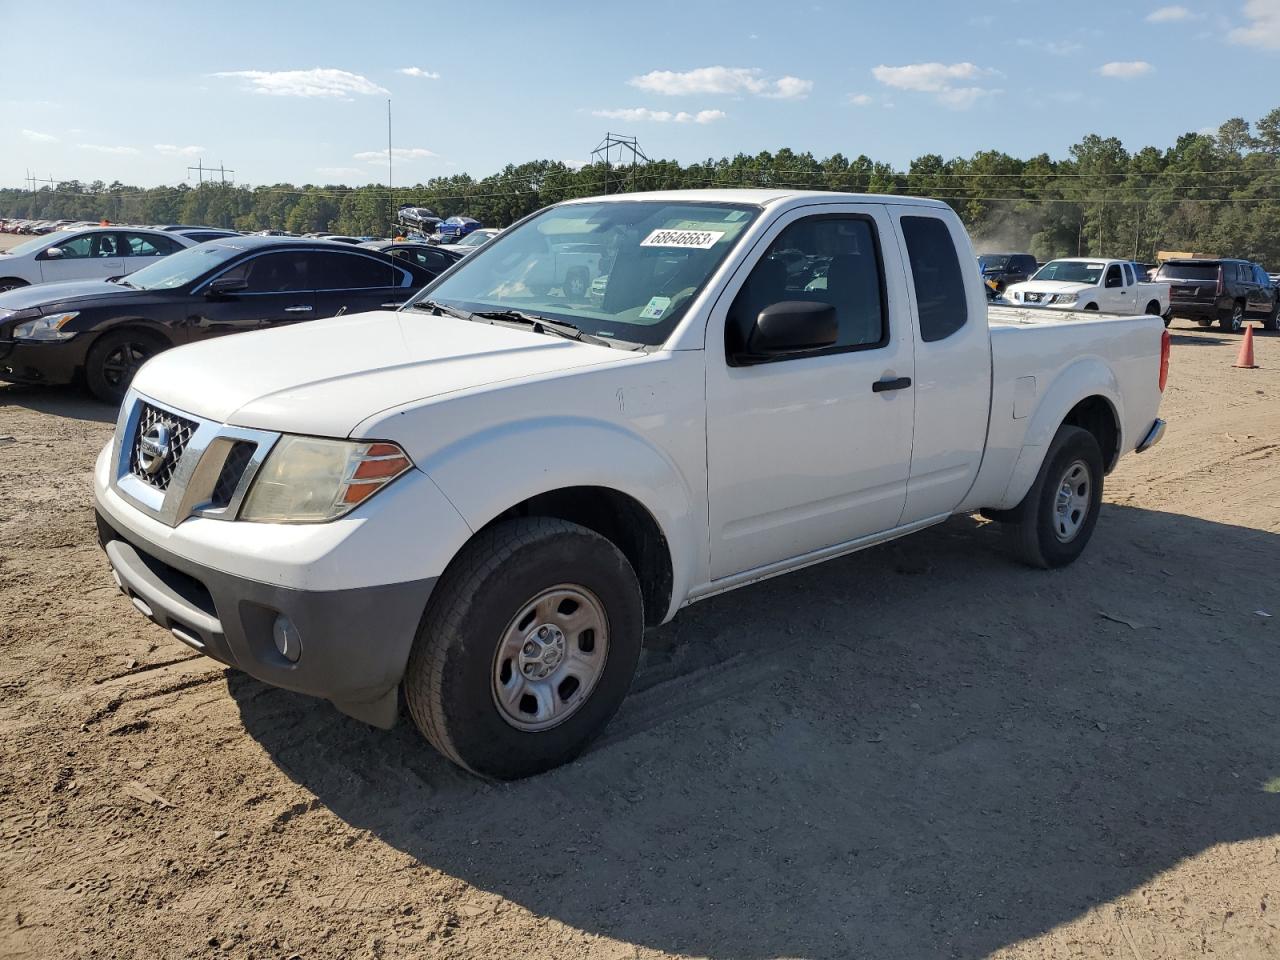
(347, 646)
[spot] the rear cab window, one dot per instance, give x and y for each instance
(942, 302)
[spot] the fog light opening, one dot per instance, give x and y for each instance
(288, 640)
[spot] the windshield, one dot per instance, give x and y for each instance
(1071, 271)
(474, 239)
(1188, 271)
(179, 269)
(623, 270)
(994, 261)
(36, 243)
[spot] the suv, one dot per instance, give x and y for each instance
(1002, 269)
(1229, 291)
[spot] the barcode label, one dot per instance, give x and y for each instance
(686, 239)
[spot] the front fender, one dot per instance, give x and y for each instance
(1083, 378)
(489, 472)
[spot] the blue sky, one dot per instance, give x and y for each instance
(297, 92)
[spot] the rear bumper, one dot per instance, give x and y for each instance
(51, 362)
(1153, 436)
(1194, 309)
(354, 643)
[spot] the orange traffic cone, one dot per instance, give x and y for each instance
(1245, 359)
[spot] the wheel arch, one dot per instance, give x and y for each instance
(621, 519)
(1085, 395)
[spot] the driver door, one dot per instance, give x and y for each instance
(278, 290)
(810, 450)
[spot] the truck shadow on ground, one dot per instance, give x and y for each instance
(920, 750)
(71, 402)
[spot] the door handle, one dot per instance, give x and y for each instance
(898, 383)
(298, 308)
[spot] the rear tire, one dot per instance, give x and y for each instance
(115, 359)
(527, 649)
(1234, 321)
(1055, 520)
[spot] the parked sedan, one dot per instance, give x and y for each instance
(97, 253)
(104, 330)
(435, 260)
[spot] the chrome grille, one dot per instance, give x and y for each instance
(179, 430)
(233, 469)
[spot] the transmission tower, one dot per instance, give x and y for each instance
(626, 149)
(216, 174)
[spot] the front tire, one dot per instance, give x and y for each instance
(11, 283)
(1055, 520)
(527, 649)
(115, 358)
(1091, 306)
(1272, 322)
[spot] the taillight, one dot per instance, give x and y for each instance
(1164, 359)
(1221, 283)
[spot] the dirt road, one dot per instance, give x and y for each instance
(923, 750)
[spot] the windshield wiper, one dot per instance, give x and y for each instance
(560, 328)
(440, 308)
(123, 282)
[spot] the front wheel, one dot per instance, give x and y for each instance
(11, 283)
(1053, 523)
(115, 358)
(527, 648)
(1272, 322)
(1091, 306)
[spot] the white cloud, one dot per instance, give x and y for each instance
(941, 80)
(35, 136)
(114, 151)
(399, 153)
(722, 80)
(320, 82)
(1170, 14)
(1264, 27)
(1125, 69)
(639, 114)
(419, 72)
(859, 99)
(173, 150)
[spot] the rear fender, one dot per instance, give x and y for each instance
(1086, 377)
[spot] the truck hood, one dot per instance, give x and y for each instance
(1047, 286)
(325, 376)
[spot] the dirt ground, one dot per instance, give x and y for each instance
(923, 750)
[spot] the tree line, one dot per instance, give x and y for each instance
(1212, 192)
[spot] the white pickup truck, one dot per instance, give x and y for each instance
(1083, 283)
(483, 498)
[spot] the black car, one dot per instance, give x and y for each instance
(1228, 291)
(1003, 269)
(104, 330)
(426, 255)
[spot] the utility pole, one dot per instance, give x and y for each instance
(200, 168)
(391, 200)
(623, 145)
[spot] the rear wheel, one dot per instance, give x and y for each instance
(527, 649)
(11, 283)
(1055, 520)
(1234, 321)
(115, 358)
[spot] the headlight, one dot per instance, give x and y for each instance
(309, 480)
(46, 328)
(1066, 297)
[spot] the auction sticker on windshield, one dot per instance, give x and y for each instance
(685, 239)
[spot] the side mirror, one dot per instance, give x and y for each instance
(792, 326)
(52, 253)
(224, 286)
